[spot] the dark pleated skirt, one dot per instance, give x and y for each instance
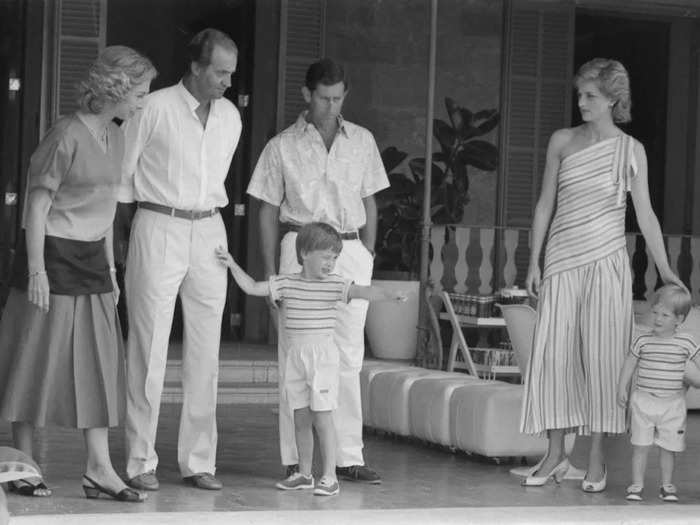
(65, 367)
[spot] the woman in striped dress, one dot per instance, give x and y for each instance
(585, 318)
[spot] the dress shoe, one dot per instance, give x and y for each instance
(145, 481)
(557, 474)
(360, 473)
(595, 486)
(93, 490)
(204, 480)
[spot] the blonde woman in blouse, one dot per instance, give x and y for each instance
(61, 349)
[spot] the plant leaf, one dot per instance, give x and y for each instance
(489, 122)
(480, 154)
(445, 135)
(417, 167)
(392, 157)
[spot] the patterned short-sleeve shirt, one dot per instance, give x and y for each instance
(662, 362)
(312, 184)
(309, 306)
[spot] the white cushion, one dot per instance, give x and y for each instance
(429, 406)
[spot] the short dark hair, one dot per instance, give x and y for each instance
(201, 47)
(317, 236)
(326, 72)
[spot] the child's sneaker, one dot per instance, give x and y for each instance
(327, 487)
(668, 493)
(296, 481)
(634, 492)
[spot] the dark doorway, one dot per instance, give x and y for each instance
(161, 29)
(643, 47)
(21, 27)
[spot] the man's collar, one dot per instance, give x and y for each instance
(302, 125)
(191, 101)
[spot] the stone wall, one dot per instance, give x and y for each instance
(384, 46)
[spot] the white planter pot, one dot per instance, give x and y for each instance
(391, 326)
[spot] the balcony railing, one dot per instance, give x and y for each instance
(479, 260)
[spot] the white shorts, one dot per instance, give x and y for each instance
(311, 374)
(658, 420)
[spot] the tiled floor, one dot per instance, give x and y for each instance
(415, 475)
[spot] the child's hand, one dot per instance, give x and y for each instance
(224, 257)
(622, 395)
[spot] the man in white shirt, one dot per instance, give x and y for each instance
(178, 152)
(323, 168)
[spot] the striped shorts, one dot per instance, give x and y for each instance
(583, 333)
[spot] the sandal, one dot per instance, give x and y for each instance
(24, 487)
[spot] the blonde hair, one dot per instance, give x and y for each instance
(613, 81)
(111, 76)
(676, 298)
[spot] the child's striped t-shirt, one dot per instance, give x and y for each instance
(662, 362)
(309, 306)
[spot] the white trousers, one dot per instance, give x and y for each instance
(355, 263)
(170, 256)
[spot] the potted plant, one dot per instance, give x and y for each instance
(400, 212)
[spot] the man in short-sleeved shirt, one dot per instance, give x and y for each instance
(323, 168)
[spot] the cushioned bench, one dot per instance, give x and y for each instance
(370, 368)
(485, 419)
(429, 406)
(388, 397)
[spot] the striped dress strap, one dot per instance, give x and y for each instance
(624, 167)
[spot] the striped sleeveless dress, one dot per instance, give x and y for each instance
(584, 323)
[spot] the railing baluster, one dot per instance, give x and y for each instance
(486, 268)
(510, 242)
(450, 254)
(461, 269)
(474, 256)
(685, 262)
(437, 265)
(695, 268)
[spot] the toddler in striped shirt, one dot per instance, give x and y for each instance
(657, 403)
(308, 302)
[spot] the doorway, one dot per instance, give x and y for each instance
(642, 45)
(130, 22)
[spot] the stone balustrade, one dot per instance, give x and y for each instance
(479, 260)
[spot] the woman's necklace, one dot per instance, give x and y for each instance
(100, 135)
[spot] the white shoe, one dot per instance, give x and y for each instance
(557, 474)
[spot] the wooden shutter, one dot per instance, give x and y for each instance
(80, 37)
(537, 94)
(302, 31)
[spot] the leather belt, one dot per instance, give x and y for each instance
(287, 227)
(192, 215)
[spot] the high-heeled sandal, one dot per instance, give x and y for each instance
(25, 487)
(595, 486)
(557, 474)
(93, 490)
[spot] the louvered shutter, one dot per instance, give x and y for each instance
(537, 99)
(81, 31)
(302, 30)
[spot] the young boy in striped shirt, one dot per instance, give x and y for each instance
(308, 303)
(657, 402)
